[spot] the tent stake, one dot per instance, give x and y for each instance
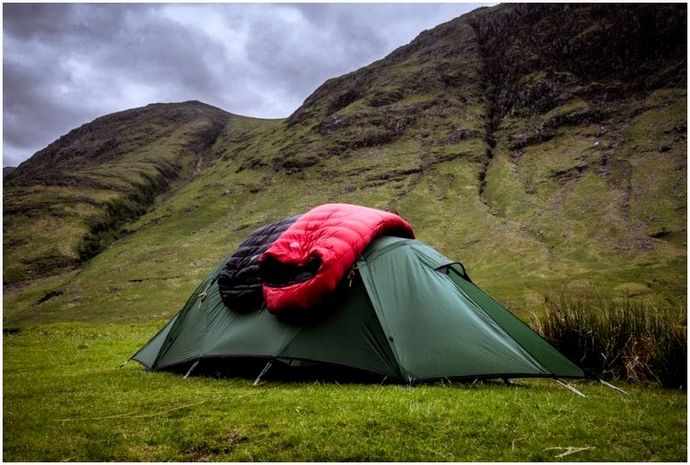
(263, 372)
(612, 386)
(569, 387)
(124, 363)
(189, 372)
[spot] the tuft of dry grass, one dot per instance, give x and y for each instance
(624, 340)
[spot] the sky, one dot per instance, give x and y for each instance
(67, 64)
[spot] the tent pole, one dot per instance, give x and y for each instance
(189, 372)
(569, 387)
(263, 372)
(612, 386)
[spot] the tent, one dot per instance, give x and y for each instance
(407, 313)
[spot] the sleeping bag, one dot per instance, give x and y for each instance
(239, 284)
(313, 255)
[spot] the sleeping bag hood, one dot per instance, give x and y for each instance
(239, 283)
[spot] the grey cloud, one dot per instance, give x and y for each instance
(68, 21)
(182, 59)
(32, 107)
(26, 21)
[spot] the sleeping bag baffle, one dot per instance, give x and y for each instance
(313, 255)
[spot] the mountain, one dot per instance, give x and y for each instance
(544, 146)
(7, 170)
(68, 201)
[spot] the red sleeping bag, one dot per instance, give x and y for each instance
(310, 258)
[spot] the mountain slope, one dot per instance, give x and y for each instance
(64, 204)
(542, 145)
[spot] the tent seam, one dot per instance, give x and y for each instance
(362, 264)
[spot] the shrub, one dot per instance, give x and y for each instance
(630, 340)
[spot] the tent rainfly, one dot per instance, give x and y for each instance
(406, 312)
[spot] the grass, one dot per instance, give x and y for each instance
(65, 399)
(628, 340)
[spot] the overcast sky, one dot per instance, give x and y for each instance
(66, 64)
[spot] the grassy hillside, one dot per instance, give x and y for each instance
(67, 202)
(544, 146)
(545, 173)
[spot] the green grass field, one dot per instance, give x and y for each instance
(65, 399)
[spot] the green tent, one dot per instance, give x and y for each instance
(408, 313)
